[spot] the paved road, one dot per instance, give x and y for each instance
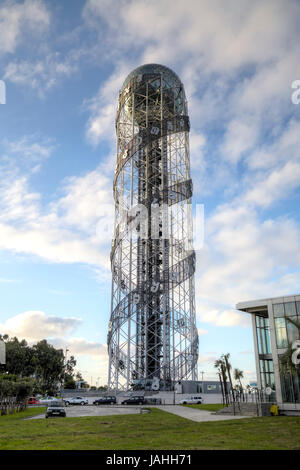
(189, 413)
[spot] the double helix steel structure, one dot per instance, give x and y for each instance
(152, 334)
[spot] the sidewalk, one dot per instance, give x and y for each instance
(196, 415)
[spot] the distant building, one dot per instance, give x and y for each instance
(199, 386)
(81, 384)
(272, 334)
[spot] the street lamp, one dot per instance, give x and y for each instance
(65, 364)
(202, 372)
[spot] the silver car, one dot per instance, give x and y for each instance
(76, 401)
(47, 400)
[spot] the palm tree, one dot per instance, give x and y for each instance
(228, 367)
(221, 366)
(238, 375)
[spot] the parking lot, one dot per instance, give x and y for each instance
(75, 411)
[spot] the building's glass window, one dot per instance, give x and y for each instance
(290, 387)
(267, 373)
(278, 310)
(290, 309)
(292, 330)
(211, 387)
(298, 308)
(281, 334)
(263, 335)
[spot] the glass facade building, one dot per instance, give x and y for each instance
(273, 334)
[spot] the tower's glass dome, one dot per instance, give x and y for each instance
(168, 74)
(162, 99)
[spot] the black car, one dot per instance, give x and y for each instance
(56, 408)
(105, 401)
(137, 400)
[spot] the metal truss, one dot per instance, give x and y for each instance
(152, 337)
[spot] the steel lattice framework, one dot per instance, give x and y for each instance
(152, 337)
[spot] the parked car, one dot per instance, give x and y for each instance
(191, 399)
(33, 401)
(105, 401)
(76, 401)
(56, 408)
(135, 400)
(46, 400)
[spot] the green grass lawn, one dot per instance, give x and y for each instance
(155, 430)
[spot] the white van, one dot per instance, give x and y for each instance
(192, 399)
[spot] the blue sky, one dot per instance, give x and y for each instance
(63, 64)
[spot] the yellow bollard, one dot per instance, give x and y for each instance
(274, 410)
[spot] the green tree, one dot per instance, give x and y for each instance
(69, 382)
(78, 376)
(19, 357)
(42, 362)
(49, 366)
(228, 367)
(69, 367)
(238, 375)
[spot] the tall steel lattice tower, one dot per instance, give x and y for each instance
(152, 337)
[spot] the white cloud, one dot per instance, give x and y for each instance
(33, 326)
(54, 245)
(43, 74)
(17, 202)
(82, 347)
(88, 201)
(202, 331)
(23, 156)
(206, 360)
(240, 137)
(197, 144)
(244, 259)
(239, 78)
(247, 33)
(36, 325)
(77, 228)
(276, 185)
(210, 311)
(17, 20)
(102, 107)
